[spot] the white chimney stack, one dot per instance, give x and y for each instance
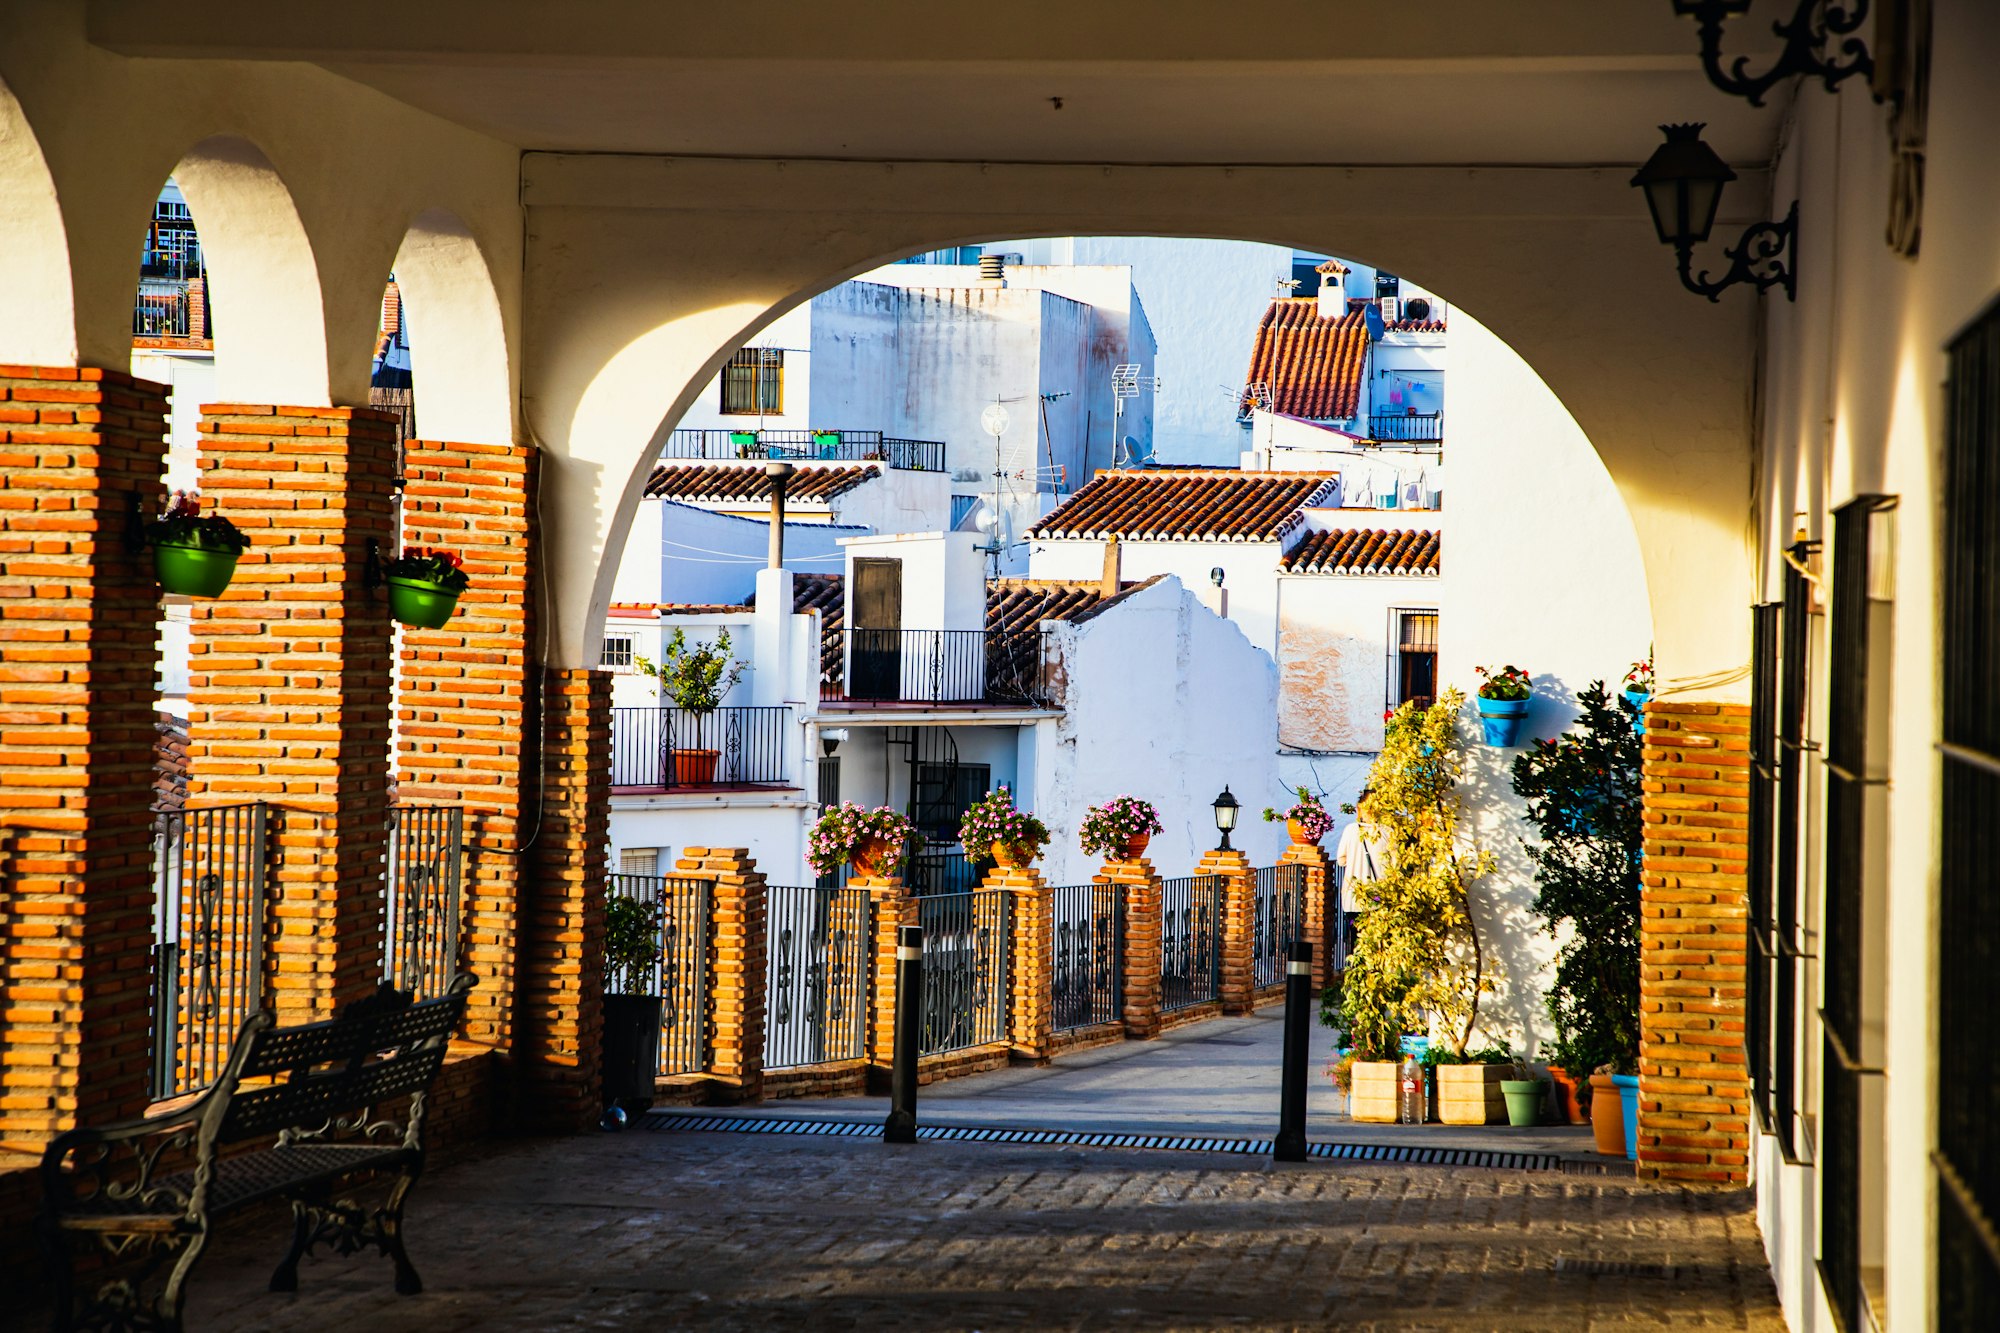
(1332, 289)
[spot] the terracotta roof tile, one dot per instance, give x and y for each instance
(747, 482)
(1414, 326)
(170, 762)
(1175, 504)
(1367, 551)
(1312, 365)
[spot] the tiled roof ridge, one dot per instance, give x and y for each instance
(1105, 604)
(1368, 551)
(1188, 506)
(738, 481)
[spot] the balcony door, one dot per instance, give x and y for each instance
(876, 667)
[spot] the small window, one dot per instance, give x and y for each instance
(1387, 286)
(617, 653)
(944, 792)
(639, 861)
(1413, 658)
(753, 383)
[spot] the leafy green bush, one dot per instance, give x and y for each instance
(631, 945)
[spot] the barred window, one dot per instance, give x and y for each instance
(1413, 658)
(753, 383)
(617, 653)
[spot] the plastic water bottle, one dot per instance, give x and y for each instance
(1410, 1104)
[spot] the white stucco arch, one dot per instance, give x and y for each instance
(458, 339)
(40, 328)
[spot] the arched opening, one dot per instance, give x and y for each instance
(449, 323)
(34, 250)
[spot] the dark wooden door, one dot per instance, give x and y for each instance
(877, 648)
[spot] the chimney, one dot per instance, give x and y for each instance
(1109, 586)
(780, 473)
(993, 270)
(1332, 289)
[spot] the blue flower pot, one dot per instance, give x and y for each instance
(1501, 719)
(1628, 1092)
(1637, 698)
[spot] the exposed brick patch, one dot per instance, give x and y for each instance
(738, 931)
(79, 448)
(1694, 1093)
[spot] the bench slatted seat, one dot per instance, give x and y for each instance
(148, 1190)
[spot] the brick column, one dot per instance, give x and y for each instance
(1694, 1093)
(1030, 980)
(738, 918)
(1140, 968)
(1319, 877)
(79, 448)
(560, 1015)
(461, 720)
(289, 680)
(894, 907)
(1239, 920)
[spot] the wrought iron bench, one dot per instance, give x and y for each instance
(147, 1192)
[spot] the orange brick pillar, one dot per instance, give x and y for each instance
(1030, 981)
(894, 908)
(289, 680)
(1140, 967)
(1694, 1089)
(738, 930)
(462, 733)
(1239, 920)
(1314, 927)
(79, 450)
(560, 1019)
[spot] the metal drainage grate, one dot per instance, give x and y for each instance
(1397, 1154)
(1566, 1267)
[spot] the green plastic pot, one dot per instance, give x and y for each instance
(194, 571)
(424, 605)
(1524, 1101)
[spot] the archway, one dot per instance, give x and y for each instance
(457, 338)
(34, 251)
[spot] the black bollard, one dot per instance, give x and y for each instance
(901, 1126)
(1290, 1145)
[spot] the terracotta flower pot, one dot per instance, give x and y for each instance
(695, 768)
(1135, 847)
(1014, 855)
(1569, 1106)
(871, 856)
(1607, 1116)
(1298, 832)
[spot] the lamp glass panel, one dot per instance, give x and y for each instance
(1703, 198)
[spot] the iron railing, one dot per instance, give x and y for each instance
(208, 938)
(842, 446)
(1784, 946)
(1762, 839)
(816, 977)
(1191, 912)
(1414, 428)
(165, 309)
(966, 937)
(1278, 921)
(939, 666)
(420, 910)
(681, 747)
(679, 974)
(1086, 954)
(941, 868)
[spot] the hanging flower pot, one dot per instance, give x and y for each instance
(194, 556)
(424, 586)
(1503, 703)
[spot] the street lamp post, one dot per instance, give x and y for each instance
(1226, 807)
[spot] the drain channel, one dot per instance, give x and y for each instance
(1390, 1153)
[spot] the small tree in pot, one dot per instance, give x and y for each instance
(631, 1001)
(696, 678)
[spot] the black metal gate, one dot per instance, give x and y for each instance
(420, 910)
(966, 938)
(816, 996)
(1191, 911)
(208, 939)
(680, 976)
(1086, 954)
(1278, 921)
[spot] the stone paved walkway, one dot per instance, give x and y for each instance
(650, 1230)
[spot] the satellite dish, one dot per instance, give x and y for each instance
(983, 520)
(994, 420)
(1128, 449)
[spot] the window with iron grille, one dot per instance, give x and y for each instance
(753, 383)
(617, 653)
(1763, 807)
(1413, 657)
(944, 792)
(1794, 628)
(639, 861)
(1967, 1159)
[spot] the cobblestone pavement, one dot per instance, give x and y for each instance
(644, 1229)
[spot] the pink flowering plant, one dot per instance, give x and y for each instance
(1108, 827)
(183, 525)
(1306, 812)
(994, 818)
(423, 564)
(1640, 677)
(1509, 682)
(842, 830)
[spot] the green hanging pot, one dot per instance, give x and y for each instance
(194, 571)
(424, 605)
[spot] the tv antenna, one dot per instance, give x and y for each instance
(1126, 382)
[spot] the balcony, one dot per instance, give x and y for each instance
(1418, 428)
(679, 749)
(934, 666)
(821, 446)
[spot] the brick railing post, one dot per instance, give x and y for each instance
(739, 908)
(1317, 920)
(462, 733)
(1030, 980)
(1140, 967)
(894, 908)
(289, 679)
(1239, 920)
(79, 450)
(559, 1042)
(1694, 1099)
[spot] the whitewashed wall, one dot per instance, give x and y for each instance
(1249, 572)
(791, 332)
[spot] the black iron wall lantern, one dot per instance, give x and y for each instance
(1226, 807)
(1813, 25)
(1683, 181)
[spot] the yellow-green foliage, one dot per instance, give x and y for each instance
(1417, 958)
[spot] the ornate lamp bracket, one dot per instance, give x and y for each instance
(1814, 26)
(1764, 256)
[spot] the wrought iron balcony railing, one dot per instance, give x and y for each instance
(937, 666)
(679, 747)
(210, 941)
(837, 446)
(1407, 428)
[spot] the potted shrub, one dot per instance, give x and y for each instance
(872, 841)
(1120, 829)
(695, 678)
(1306, 820)
(1638, 689)
(631, 1002)
(424, 585)
(194, 556)
(1524, 1095)
(1014, 836)
(1503, 702)
(1583, 798)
